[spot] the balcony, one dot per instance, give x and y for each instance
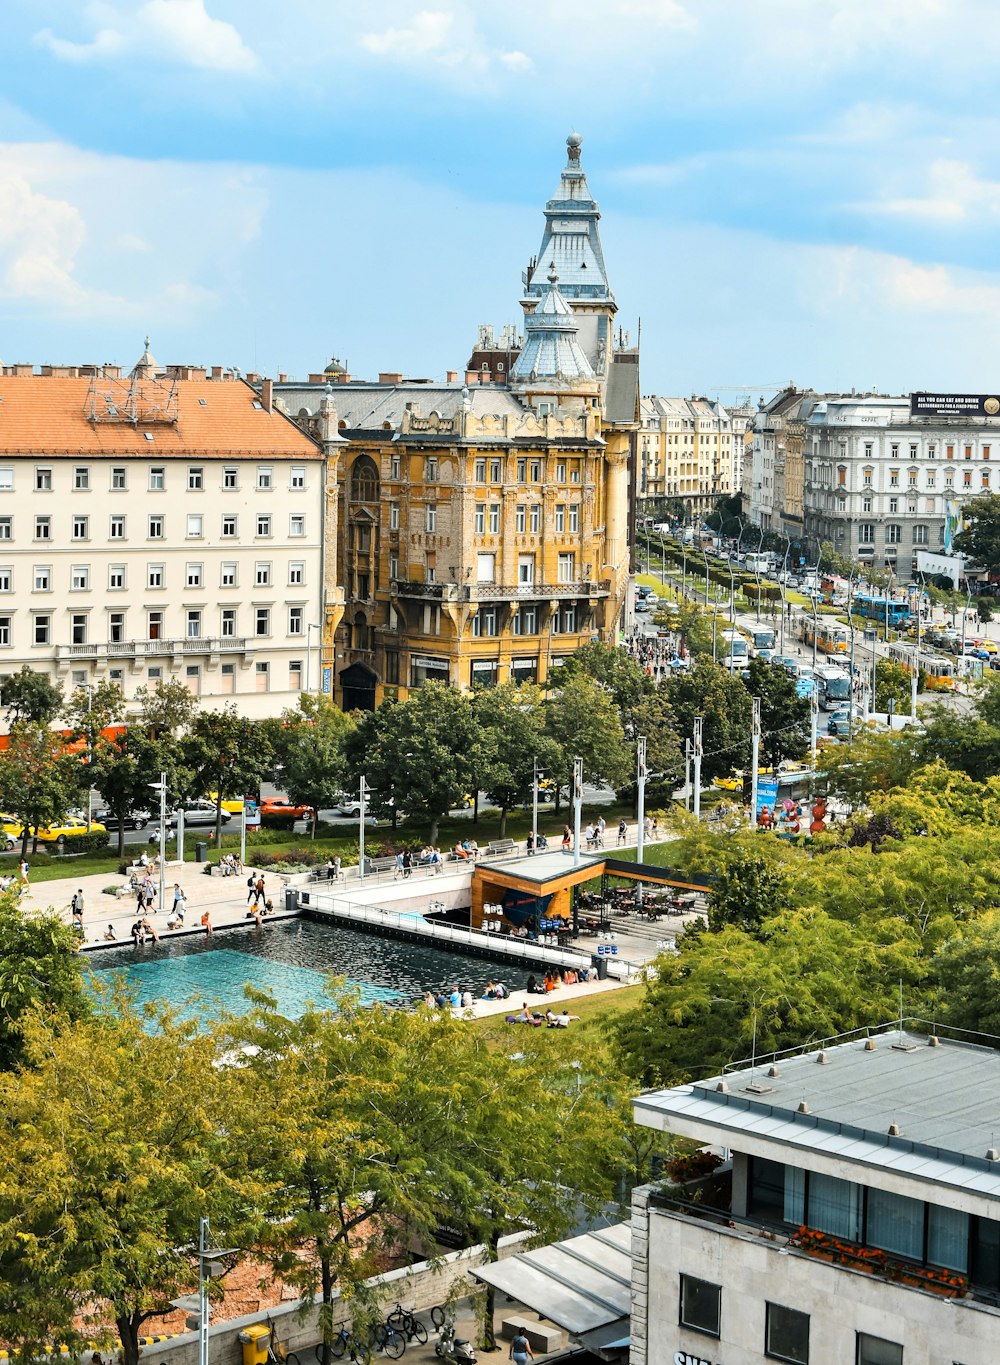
(428, 592)
(77, 651)
(533, 592)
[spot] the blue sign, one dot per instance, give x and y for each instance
(327, 680)
(767, 793)
(804, 687)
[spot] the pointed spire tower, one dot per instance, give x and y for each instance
(552, 360)
(572, 243)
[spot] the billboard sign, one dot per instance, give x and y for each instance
(954, 405)
(767, 793)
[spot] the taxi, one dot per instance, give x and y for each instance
(70, 828)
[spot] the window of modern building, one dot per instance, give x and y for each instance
(116, 530)
(78, 628)
(295, 620)
(42, 629)
(430, 517)
(43, 528)
(79, 578)
(227, 622)
(263, 525)
(230, 478)
(43, 480)
(296, 573)
(262, 621)
(196, 478)
(154, 577)
(192, 624)
(116, 627)
(895, 1223)
(42, 578)
(229, 527)
(262, 677)
(195, 526)
(81, 478)
(119, 478)
(877, 1351)
(194, 575)
(786, 1334)
(297, 477)
(155, 531)
(157, 477)
(834, 1206)
(6, 478)
(701, 1305)
(265, 478)
(262, 573)
(5, 635)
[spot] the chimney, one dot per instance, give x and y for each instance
(389, 377)
(282, 378)
(472, 376)
(216, 371)
(452, 376)
(23, 371)
(266, 395)
(317, 379)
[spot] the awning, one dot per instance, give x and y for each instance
(582, 1284)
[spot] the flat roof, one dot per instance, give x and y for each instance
(544, 867)
(841, 1101)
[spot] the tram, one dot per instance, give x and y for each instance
(938, 669)
(830, 639)
(886, 612)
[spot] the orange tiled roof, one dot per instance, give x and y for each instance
(50, 416)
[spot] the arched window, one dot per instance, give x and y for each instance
(360, 631)
(364, 480)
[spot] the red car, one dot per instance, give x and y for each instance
(276, 805)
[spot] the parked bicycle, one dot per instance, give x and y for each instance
(346, 1342)
(277, 1352)
(404, 1321)
(390, 1340)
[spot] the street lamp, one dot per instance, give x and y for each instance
(310, 627)
(161, 787)
(782, 584)
(363, 806)
(210, 1267)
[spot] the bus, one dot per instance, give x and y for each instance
(895, 614)
(834, 686)
(758, 563)
(762, 637)
(830, 639)
(735, 648)
(938, 669)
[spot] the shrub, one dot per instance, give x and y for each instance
(93, 842)
(283, 822)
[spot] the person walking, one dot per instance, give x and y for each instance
(23, 869)
(251, 888)
(258, 891)
(398, 869)
(520, 1349)
(622, 831)
(178, 894)
(407, 863)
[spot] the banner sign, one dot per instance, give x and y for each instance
(327, 680)
(954, 405)
(767, 793)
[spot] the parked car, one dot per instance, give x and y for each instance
(138, 819)
(351, 810)
(198, 813)
(11, 830)
(70, 828)
(279, 805)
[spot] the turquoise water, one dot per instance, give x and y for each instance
(292, 961)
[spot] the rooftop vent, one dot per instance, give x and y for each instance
(894, 1130)
(822, 1057)
(773, 1071)
(722, 1088)
(933, 1041)
(803, 1108)
(869, 1044)
(992, 1154)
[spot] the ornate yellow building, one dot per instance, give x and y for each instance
(479, 532)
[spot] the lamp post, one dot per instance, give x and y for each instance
(704, 554)
(577, 803)
(534, 804)
(89, 689)
(310, 627)
(362, 808)
(161, 787)
(781, 585)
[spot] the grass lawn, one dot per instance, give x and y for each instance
(595, 1013)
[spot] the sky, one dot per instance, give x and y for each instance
(791, 190)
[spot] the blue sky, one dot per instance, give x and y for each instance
(791, 189)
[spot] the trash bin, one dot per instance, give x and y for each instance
(601, 963)
(254, 1340)
(291, 900)
(201, 852)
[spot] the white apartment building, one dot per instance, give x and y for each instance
(686, 451)
(855, 1218)
(881, 484)
(158, 527)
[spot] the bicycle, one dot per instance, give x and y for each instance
(344, 1341)
(404, 1321)
(277, 1352)
(389, 1340)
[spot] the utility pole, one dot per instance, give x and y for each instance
(362, 811)
(698, 722)
(754, 760)
(534, 805)
(577, 803)
(814, 719)
(687, 774)
(812, 598)
(640, 773)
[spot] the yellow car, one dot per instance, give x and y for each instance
(70, 828)
(11, 830)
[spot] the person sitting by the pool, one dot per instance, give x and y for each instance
(570, 977)
(455, 999)
(110, 936)
(502, 992)
(257, 915)
(138, 933)
(426, 855)
(150, 930)
(429, 1000)
(269, 907)
(534, 986)
(175, 920)
(441, 1000)
(490, 993)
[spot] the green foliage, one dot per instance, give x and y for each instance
(313, 754)
(582, 721)
(785, 719)
(510, 719)
(610, 666)
(29, 698)
(227, 754)
(874, 761)
(750, 888)
(168, 709)
(40, 970)
(967, 970)
(122, 769)
(654, 717)
(981, 538)
(892, 683)
(39, 780)
(93, 842)
(88, 712)
(724, 704)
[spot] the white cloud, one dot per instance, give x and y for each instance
(179, 30)
(447, 39)
(39, 240)
(955, 194)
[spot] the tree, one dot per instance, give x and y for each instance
(613, 668)
(29, 697)
(39, 780)
(125, 766)
(91, 710)
(892, 684)
(166, 710)
(874, 761)
(785, 720)
(724, 705)
(980, 540)
(40, 972)
(582, 721)
(967, 969)
(116, 1139)
(227, 754)
(750, 887)
(510, 718)
(654, 718)
(313, 753)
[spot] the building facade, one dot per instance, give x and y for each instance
(484, 526)
(689, 452)
(855, 1219)
(158, 526)
(777, 462)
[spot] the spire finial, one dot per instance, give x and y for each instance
(147, 343)
(573, 144)
(553, 275)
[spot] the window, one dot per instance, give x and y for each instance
(193, 578)
(6, 528)
(485, 622)
(479, 471)
(262, 574)
(841, 476)
(196, 478)
(535, 471)
(894, 449)
(364, 480)
(6, 479)
(297, 476)
(116, 627)
(395, 466)
(431, 469)
(43, 578)
(966, 478)
(494, 518)
(480, 518)
(895, 1223)
(835, 1206)
(877, 1351)
(866, 474)
(560, 516)
(893, 533)
(42, 628)
(43, 480)
(296, 525)
(520, 518)
(5, 630)
(430, 517)
(561, 472)
(893, 478)
(43, 528)
(116, 576)
(968, 452)
(949, 452)
(525, 569)
(227, 623)
(155, 531)
(264, 477)
(564, 622)
(262, 621)
(985, 478)
(701, 1304)
(786, 1334)
(155, 673)
(81, 478)
(295, 620)
(567, 568)
(295, 675)
(195, 525)
(119, 478)
(262, 677)
(230, 479)
(192, 624)
(522, 470)
(986, 452)
(192, 679)
(496, 471)
(116, 531)
(526, 621)
(392, 666)
(157, 477)
(263, 525)
(6, 580)
(154, 577)
(911, 478)
(535, 517)
(296, 573)
(573, 523)
(574, 473)
(932, 451)
(948, 1238)
(393, 566)
(79, 578)
(866, 533)
(893, 506)
(229, 525)
(931, 478)
(486, 568)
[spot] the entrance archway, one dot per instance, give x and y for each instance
(358, 685)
